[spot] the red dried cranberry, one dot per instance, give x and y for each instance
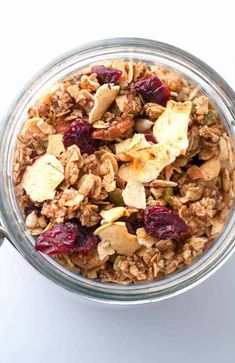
(153, 90)
(106, 75)
(164, 223)
(80, 133)
(58, 239)
(133, 223)
(150, 138)
(66, 237)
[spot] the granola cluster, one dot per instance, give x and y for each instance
(124, 172)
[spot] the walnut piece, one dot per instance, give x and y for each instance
(118, 129)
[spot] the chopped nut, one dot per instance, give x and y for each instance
(88, 83)
(113, 214)
(118, 129)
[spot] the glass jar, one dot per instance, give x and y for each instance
(13, 226)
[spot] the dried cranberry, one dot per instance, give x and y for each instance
(32, 208)
(66, 237)
(164, 223)
(106, 75)
(58, 239)
(150, 138)
(80, 133)
(153, 90)
(133, 223)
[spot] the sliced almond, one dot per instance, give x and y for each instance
(162, 183)
(144, 239)
(211, 168)
(119, 239)
(143, 124)
(104, 97)
(41, 179)
(172, 126)
(113, 214)
(55, 145)
(134, 195)
(101, 125)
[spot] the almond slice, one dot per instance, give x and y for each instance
(104, 97)
(211, 168)
(113, 214)
(134, 195)
(119, 239)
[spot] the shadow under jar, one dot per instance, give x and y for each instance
(13, 224)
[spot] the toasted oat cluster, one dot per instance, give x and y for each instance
(124, 172)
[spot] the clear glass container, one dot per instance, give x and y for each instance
(13, 226)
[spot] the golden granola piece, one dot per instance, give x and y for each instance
(89, 82)
(153, 110)
(90, 185)
(37, 126)
(113, 214)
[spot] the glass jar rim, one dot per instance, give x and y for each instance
(134, 48)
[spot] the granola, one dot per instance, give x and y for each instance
(124, 172)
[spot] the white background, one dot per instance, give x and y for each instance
(39, 322)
